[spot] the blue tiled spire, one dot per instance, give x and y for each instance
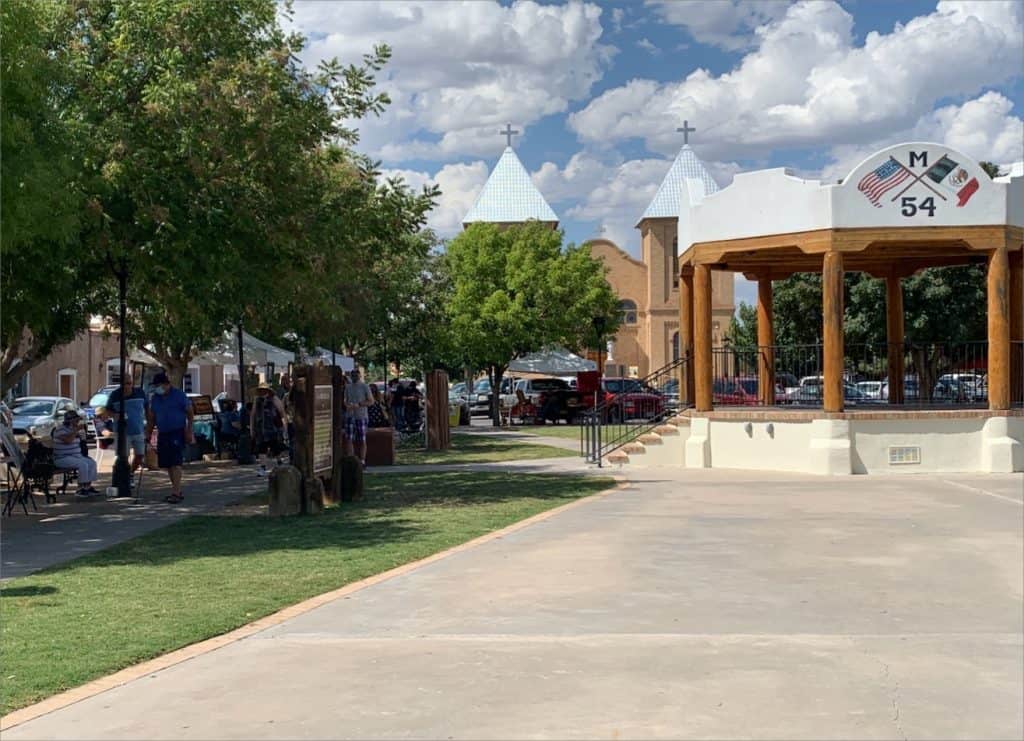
(509, 196)
(665, 203)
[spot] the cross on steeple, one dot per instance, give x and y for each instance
(509, 133)
(686, 129)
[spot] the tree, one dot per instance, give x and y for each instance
(204, 136)
(47, 278)
(742, 332)
(516, 291)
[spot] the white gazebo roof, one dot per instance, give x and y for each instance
(686, 173)
(916, 184)
(509, 196)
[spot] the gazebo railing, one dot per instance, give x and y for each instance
(1017, 373)
(934, 374)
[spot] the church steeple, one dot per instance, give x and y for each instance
(687, 166)
(509, 196)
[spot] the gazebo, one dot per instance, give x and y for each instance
(906, 208)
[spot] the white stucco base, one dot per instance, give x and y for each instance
(856, 444)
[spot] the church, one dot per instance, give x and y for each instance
(648, 337)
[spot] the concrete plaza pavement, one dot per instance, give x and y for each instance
(691, 604)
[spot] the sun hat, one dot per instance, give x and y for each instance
(264, 386)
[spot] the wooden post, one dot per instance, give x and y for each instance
(686, 396)
(998, 329)
(832, 317)
(765, 341)
(438, 432)
(1017, 327)
(894, 335)
(703, 377)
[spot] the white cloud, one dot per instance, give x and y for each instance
(807, 85)
(459, 183)
(983, 128)
(461, 70)
(648, 46)
(725, 23)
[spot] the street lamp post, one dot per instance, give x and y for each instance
(244, 445)
(121, 479)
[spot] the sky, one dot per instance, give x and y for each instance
(598, 89)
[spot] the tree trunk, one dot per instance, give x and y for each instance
(496, 374)
(18, 359)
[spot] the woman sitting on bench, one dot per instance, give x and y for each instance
(67, 453)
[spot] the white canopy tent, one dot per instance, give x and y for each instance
(556, 361)
(225, 353)
(346, 362)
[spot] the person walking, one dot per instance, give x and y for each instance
(267, 425)
(287, 398)
(358, 400)
(67, 453)
(170, 412)
(136, 408)
(396, 397)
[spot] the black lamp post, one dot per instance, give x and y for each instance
(599, 323)
(244, 444)
(122, 474)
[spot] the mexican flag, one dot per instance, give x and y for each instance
(952, 177)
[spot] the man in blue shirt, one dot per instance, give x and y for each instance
(170, 412)
(136, 407)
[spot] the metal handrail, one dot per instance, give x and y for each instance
(614, 421)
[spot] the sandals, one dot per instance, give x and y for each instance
(174, 498)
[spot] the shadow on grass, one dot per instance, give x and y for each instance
(27, 591)
(394, 508)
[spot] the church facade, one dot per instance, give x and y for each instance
(648, 288)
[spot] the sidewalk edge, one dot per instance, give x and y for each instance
(165, 661)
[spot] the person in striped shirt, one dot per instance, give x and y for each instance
(67, 453)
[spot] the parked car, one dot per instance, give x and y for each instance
(480, 399)
(628, 398)
(534, 389)
(38, 416)
(811, 390)
(872, 390)
(734, 392)
(911, 389)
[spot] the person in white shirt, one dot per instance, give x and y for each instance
(67, 453)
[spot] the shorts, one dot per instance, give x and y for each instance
(355, 429)
(170, 448)
(137, 443)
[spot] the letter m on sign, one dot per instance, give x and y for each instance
(922, 156)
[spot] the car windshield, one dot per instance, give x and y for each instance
(482, 386)
(549, 384)
(749, 385)
(99, 399)
(32, 407)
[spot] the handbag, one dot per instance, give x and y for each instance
(152, 463)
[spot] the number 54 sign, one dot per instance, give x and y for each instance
(945, 180)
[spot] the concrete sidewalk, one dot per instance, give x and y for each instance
(71, 528)
(693, 604)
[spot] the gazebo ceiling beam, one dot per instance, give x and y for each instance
(922, 241)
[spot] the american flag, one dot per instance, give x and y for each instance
(884, 178)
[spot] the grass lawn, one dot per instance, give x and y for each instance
(568, 432)
(206, 575)
(476, 448)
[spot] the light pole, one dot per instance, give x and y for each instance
(244, 445)
(122, 474)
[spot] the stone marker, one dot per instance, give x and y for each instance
(285, 491)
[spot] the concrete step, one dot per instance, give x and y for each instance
(651, 438)
(618, 457)
(666, 430)
(633, 448)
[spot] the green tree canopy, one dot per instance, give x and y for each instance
(516, 290)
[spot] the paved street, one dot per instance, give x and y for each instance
(693, 604)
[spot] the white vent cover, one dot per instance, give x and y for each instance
(904, 455)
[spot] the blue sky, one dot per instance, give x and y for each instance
(598, 89)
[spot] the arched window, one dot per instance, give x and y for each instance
(628, 310)
(675, 346)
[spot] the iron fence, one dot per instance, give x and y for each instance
(934, 374)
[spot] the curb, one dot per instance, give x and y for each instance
(137, 671)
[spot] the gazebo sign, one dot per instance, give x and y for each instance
(915, 184)
(946, 180)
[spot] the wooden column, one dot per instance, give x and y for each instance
(686, 396)
(702, 337)
(765, 341)
(832, 318)
(998, 329)
(894, 335)
(1017, 326)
